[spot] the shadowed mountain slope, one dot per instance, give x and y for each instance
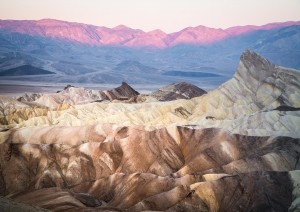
(25, 70)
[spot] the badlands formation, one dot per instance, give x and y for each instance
(235, 148)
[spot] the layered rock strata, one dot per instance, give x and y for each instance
(133, 168)
(233, 149)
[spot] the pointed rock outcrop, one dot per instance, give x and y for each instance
(123, 92)
(180, 90)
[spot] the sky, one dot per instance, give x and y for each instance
(167, 15)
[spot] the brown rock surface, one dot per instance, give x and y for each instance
(123, 92)
(236, 148)
(133, 168)
(72, 95)
(181, 90)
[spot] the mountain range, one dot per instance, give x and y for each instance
(87, 54)
(124, 36)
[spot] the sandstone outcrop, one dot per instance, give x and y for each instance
(37, 106)
(181, 90)
(123, 92)
(233, 149)
(74, 96)
(140, 169)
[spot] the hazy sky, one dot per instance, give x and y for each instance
(168, 15)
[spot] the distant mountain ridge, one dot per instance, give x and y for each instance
(125, 36)
(85, 54)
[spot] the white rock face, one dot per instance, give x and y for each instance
(260, 99)
(71, 96)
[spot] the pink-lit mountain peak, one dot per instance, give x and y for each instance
(197, 35)
(157, 32)
(122, 35)
(53, 22)
(121, 27)
(155, 38)
(238, 30)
